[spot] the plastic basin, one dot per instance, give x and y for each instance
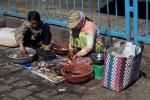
(77, 73)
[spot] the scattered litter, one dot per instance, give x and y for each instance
(62, 90)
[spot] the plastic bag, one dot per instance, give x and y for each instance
(130, 50)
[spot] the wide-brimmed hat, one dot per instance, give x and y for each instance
(73, 19)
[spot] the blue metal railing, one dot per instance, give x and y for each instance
(55, 12)
(108, 31)
(127, 19)
(137, 36)
(1, 10)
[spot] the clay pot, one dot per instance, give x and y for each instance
(61, 48)
(77, 73)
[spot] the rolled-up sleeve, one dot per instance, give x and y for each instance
(90, 40)
(70, 40)
(90, 44)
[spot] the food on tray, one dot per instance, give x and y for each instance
(82, 60)
(49, 66)
(19, 55)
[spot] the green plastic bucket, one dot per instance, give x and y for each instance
(98, 71)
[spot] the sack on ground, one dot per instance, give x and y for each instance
(7, 37)
(121, 65)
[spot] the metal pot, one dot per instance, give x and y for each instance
(97, 58)
(20, 60)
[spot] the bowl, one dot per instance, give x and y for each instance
(97, 58)
(77, 73)
(61, 48)
(12, 54)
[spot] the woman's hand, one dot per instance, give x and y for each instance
(82, 53)
(22, 51)
(71, 52)
(99, 40)
(46, 47)
(76, 55)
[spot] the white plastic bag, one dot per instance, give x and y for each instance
(7, 37)
(131, 50)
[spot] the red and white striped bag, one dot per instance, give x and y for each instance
(120, 71)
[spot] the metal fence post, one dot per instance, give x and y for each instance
(147, 10)
(135, 20)
(127, 19)
(74, 4)
(1, 10)
(83, 5)
(33, 5)
(116, 13)
(91, 6)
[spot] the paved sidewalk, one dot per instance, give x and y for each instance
(17, 83)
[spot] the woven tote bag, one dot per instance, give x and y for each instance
(119, 71)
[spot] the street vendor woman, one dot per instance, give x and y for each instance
(33, 32)
(82, 35)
